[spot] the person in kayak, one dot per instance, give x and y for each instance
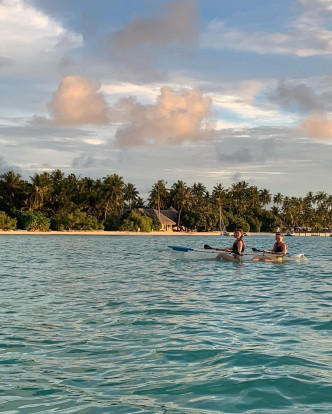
(279, 249)
(237, 247)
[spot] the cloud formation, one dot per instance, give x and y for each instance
(88, 161)
(309, 34)
(318, 125)
(316, 105)
(4, 166)
(299, 96)
(175, 118)
(26, 32)
(140, 46)
(178, 25)
(241, 156)
(78, 102)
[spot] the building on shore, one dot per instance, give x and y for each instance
(167, 218)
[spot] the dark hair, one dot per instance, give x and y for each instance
(278, 234)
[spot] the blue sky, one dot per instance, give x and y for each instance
(204, 91)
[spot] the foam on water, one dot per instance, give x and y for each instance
(117, 325)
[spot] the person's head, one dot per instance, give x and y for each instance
(238, 233)
(279, 237)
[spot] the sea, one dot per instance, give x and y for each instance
(117, 324)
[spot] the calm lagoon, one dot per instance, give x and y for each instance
(94, 324)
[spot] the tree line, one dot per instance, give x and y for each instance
(53, 201)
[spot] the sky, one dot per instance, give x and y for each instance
(210, 91)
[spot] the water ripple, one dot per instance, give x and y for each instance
(116, 324)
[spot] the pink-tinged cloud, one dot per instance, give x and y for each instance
(318, 125)
(78, 102)
(175, 118)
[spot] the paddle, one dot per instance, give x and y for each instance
(262, 251)
(207, 246)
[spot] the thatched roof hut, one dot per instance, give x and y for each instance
(167, 218)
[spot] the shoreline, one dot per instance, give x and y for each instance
(131, 233)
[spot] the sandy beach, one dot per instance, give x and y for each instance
(131, 233)
(110, 233)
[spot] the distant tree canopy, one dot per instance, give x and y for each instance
(53, 201)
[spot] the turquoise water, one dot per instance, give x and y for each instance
(100, 324)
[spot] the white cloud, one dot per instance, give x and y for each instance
(146, 92)
(248, 108)
(308, 35)
(149, 91)
(26, 32)
(94, 141)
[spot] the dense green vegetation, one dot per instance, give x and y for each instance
(53, 201)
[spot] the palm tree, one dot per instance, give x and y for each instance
(12, 190)
(309, 198)
(265, 197)
(73, 186)
(289, 211)
(239, 199)
(181, 196)
(209, 215)
(198, 192)
(278, 199)
(131, 194)
(92, 196)
(219, 196)
(113, 193)
(138, 203)
(158, 196)
(252, 197)
(40, 190)
(59, 195)
(321, 197)
(299, 206)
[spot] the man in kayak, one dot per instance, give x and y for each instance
(279, 249)
(237, 248)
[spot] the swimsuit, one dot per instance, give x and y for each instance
(278, 247)
(235, 247)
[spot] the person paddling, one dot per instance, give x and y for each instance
(237, 247)
(279, 249)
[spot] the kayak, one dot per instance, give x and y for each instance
(216, 254)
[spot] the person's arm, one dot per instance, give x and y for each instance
(273, 249)
(228, 249)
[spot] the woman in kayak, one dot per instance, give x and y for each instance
(237, 248)
(279, 249)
